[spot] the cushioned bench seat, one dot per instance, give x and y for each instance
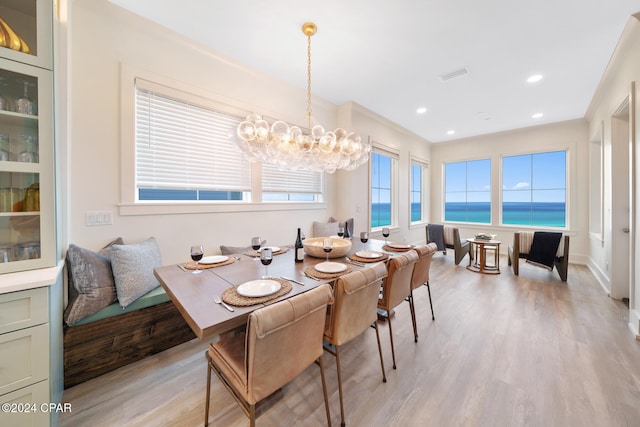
(151, 298)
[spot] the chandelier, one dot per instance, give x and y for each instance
(289, 147)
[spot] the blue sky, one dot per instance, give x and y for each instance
(528, 178)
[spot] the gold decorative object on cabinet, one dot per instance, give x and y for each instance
(10, 39)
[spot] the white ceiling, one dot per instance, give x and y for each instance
(389, 55)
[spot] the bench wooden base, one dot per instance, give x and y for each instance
(102, 346)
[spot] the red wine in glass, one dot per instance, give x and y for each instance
(197, 252)
(327, 246)
(255, 243)
(340, 231)
(364, 237)
(266, 256)
(385, 234)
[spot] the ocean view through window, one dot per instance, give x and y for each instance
(468, 191)
(381, 179)
(534, 189)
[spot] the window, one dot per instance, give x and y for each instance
(418, 177)
(534, 189)
(383, 167)
(468, 191)
(185, 151)
(286, 185)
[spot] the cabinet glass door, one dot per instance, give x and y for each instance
(25, 31)
(26, 171)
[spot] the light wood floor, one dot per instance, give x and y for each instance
(503, 351)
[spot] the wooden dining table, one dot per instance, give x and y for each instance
(193, 294)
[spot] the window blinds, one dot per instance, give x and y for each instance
(182, 145)
(286, 181)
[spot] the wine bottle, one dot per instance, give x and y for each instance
(299, 248)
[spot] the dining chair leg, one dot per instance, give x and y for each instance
(413, 317)
(433, 317)
(393, 352)
(384, 376)
(252, 415)
(206, 403)
(340, 386)
(324, 390)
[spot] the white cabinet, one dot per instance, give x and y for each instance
(24, 358)
(27, 201)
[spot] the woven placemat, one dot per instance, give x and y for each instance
(191, 265)
(310, 271)
(231, 296)
(383, 257)
(392, 249)
(256, 254)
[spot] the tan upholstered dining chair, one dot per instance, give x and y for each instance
(420, 277)
(396, 288)
(281, 341)
(352, 313)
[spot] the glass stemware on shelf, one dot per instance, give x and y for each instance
(197, 251)
(327, 247)
(4, 101)
(364, 237)
(266, 256)
(385, 234)
(24, 104)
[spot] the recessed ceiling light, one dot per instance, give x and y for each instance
(421, 110)
(534, 78)
(451, 132)
(537, 115)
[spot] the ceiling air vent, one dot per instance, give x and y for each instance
(453, 74)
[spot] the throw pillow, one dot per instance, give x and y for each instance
(323, 229)
(90, 281)
(229, 250)
(132, 267)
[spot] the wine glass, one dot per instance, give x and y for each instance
(24, 105)
(327, 246)
(255, 243)
(197, 252)
(364, 237)
(266, 256)
(385, 234)
(340, 230)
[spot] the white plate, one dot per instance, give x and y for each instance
(214, 259)
(258, 288)
(274, 249)
(330, 267)
(368, 254)
(399, 246)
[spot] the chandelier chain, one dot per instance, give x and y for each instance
(309, 112)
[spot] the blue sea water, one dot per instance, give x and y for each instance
(549, 214)
(546, 214)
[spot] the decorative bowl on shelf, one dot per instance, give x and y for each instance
(313, 247)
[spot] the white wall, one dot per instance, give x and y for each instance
(103, 39)
(614, 88)
(352, 188)
(571, 135)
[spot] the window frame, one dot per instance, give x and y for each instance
(490, 191)
(424, 186)
(129, 205)
(394, 155)
(549, 150)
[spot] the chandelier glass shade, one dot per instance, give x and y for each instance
(289, 147)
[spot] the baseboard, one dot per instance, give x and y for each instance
(600, 276)
(634, 323)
